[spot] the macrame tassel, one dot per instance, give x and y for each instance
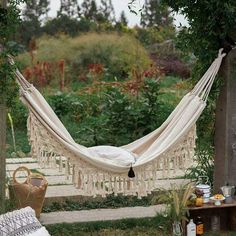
(120, 187)
(115, 186)
(125, 187)
(67, 169)
(94, 189)
(98, 183)
(104, 186)
(79, 180)
(110, 184)
(149, 188)
(131, 173)
(60, 164)
(73, 175)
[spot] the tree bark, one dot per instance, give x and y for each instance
(2, 155)
(4, 3)
(225, 135)
(2, 143)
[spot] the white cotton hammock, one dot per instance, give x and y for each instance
(103, 170)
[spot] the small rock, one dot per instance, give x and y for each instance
(13, 155)
(20, 154)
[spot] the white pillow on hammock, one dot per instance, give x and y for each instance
(113, 154)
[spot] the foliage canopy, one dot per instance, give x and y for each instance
(9, 20)
(211, 26)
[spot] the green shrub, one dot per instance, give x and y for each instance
(152, 35)
(19, 114)
(132, 117)
(204, 158)
(64, 104)
(118, 54)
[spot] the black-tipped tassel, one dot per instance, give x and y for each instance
(131, 173)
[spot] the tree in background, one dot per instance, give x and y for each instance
(156, 14)
(34, 13)
(36, 10)
(69, 8)
(66, 20)
(122, 23)
(89, 10)
(106, 11)
(123, 19)
(61, 24)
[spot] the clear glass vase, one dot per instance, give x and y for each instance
(177, 229)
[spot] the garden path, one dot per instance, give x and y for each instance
(99, 214)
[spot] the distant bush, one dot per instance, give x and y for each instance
(118, 54)
(152, 35)
(169, 59)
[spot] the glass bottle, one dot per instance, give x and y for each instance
(191, 228)
(199, 226)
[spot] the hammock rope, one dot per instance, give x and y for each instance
(103, 170)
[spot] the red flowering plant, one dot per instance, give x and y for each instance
(42, 73)
(96, 71)
(152, 72)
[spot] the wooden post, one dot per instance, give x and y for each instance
(2, 155)
(225, 135)
(2, 144)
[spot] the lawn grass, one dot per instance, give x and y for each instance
(158, 225)
(110, 201)
(136, 231)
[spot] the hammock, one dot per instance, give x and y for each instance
(103, 170)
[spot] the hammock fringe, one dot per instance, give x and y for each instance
(93, 181)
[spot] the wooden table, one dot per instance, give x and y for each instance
(226, 212)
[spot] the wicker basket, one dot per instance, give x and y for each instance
(29, 193)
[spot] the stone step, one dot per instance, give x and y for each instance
(14, 166)
(10, 168)
(20, 160)
(52, 180)
(99, 214)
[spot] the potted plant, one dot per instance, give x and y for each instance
(176, 199)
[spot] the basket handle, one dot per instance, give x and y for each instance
(36, 175)
(20, 169)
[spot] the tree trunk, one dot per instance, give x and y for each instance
(2, 143)
(2, 155)
(3, 3)
(225, 135)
